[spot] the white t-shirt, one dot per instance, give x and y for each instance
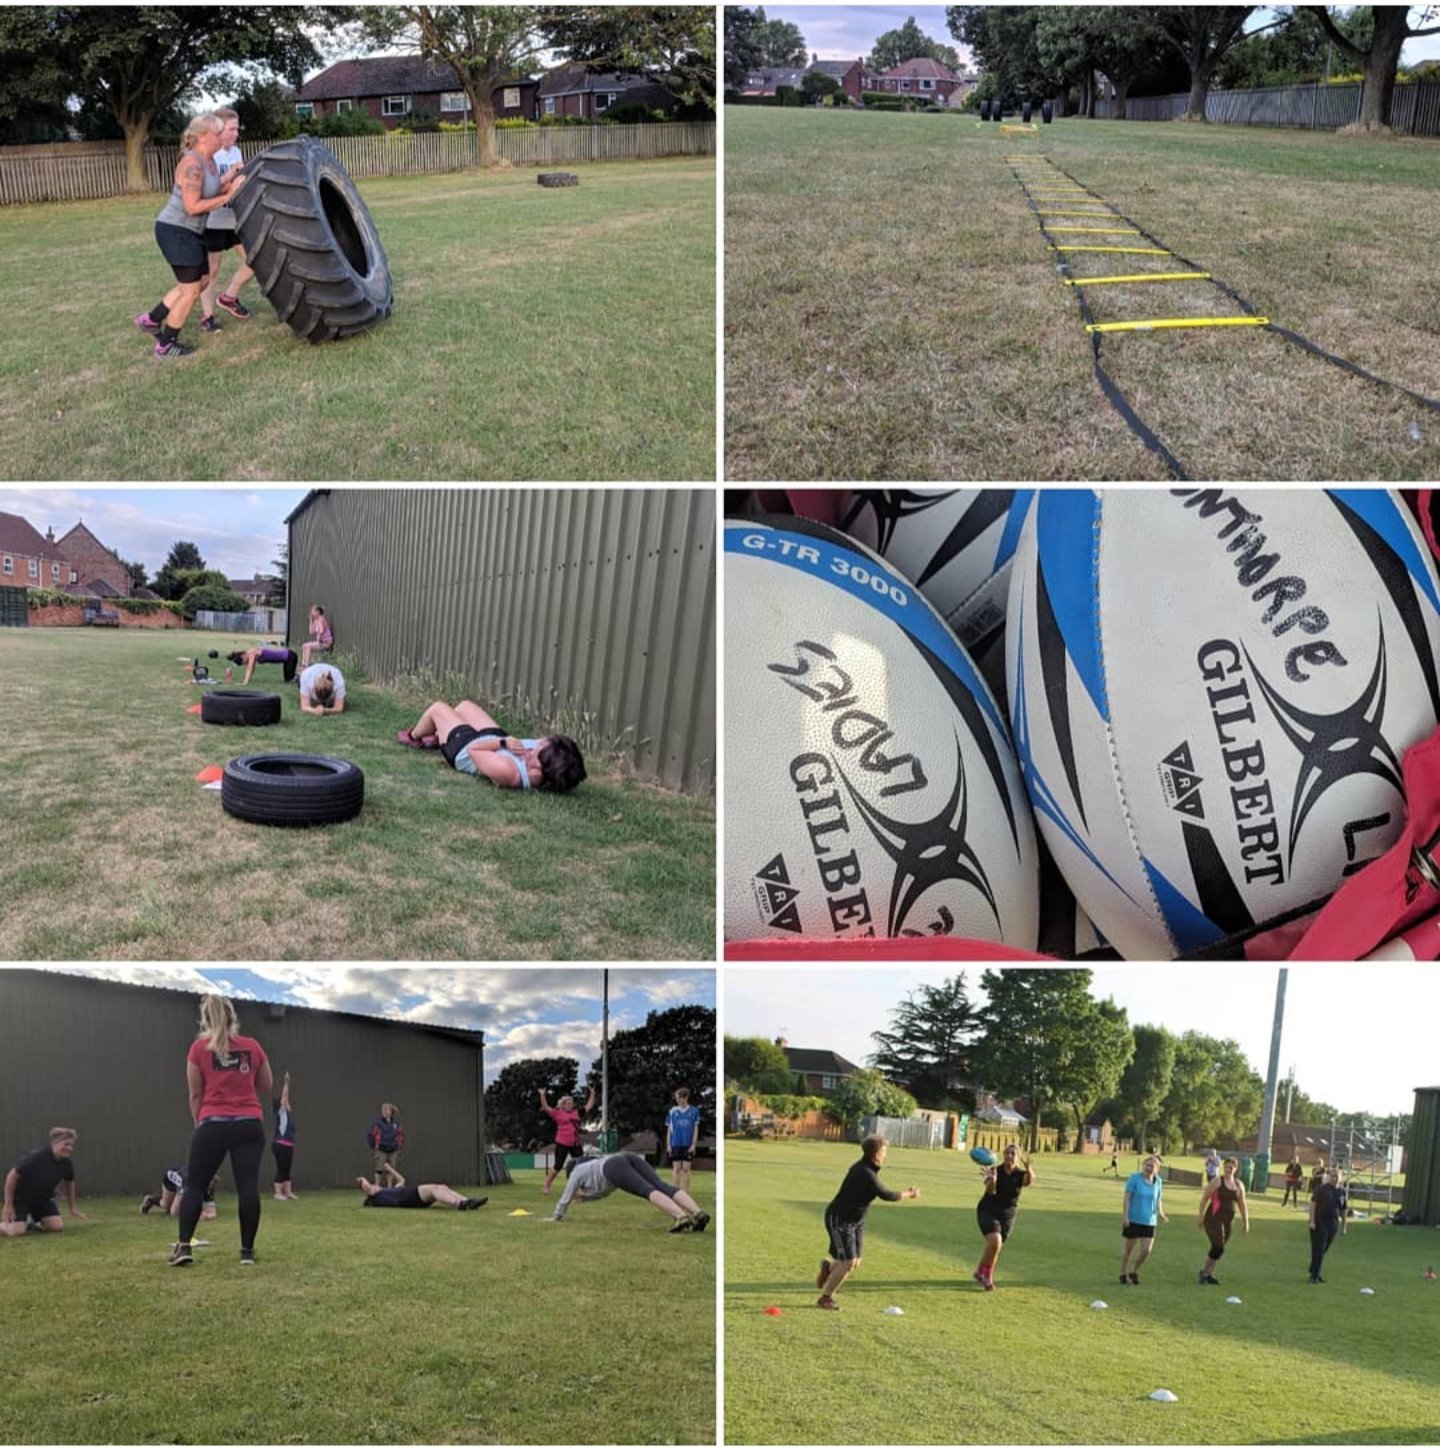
(312, 673)
(223, 217)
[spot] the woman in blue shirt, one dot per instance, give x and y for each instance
(1139, 1211)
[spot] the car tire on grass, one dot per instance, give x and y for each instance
(558, 178)
(240, 707)
(308, 235)
(279, 789)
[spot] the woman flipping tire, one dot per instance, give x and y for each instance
(316, 253)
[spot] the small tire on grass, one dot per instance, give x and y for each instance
(292, 789)
(308, 235)
(558, 178)
(240, 707)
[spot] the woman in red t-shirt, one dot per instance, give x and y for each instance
(567, 1131)
(228, 1075)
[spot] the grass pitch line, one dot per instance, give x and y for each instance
(1136, 277)
(1156, 323)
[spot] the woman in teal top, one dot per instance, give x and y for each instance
(469, 739)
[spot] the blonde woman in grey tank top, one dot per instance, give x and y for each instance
(180, 231)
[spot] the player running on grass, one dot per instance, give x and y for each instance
(997, 1208)
(1139, 1211)
(845, 1217)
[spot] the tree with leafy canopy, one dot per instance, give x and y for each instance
(742, 46)
(1002, 38)
(136, 62)
(266, 110)
(780, 42)
(1201, 34)
(671, 45)
(1293, 54)
(1075, 41)
(1097, 1048)
(927, 1047)
(482, 44)
(212, 593)
(512, 1101)
(1146, 1080)
(137, 573)
(279, 582)
(671, 1049)
(909, 42)
(35, 81)
(759, 1066)
(180, 570)
(1215, 1095)
(867, 1093)
(816, 85)
(1381, 58)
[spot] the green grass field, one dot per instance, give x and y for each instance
(1032, 1363)
(537, 334)
(364, 1326)
(891, 311)
(124, 855)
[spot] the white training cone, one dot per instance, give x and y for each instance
(893, 1310)
(1233, 1300)
(1098, 1305)
(1163, 1395)
(1367, 1291)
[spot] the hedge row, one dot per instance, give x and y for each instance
(39, 599)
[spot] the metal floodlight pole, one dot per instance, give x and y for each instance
(605, 1060)
(1272, 1081)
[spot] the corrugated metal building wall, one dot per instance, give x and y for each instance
(108, 1060)
(594, 604)
(1422, 1160)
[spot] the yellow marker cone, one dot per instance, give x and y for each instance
(1154, 324)
(518, 1214)
(1136, 277)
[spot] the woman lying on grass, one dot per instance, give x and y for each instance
(471, 742)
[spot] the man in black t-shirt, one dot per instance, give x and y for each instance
(30, 1186)
(845, 1218)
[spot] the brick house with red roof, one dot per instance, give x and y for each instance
(32, 560)
(571, 90)
(391, 87)
(94, 563)
(927, 80)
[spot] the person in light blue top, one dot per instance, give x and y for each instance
(468, 737)
(1140, 1211)
(682, 1135)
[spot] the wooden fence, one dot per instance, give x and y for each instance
(83, 171)
(1415, 110)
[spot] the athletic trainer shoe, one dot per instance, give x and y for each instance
(1134, 1279)
(473, 1203)
(826, 1303)
(181, 1255)
(148, 1203)
(147, 323)
(682, 1226)
(1124, 1279)
(232, 305)
(978, 1276)
(247, 1258)
(699, 1221)
(177, 349)
(210, 325)
(825, 1268)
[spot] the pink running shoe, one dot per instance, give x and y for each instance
(147, 323)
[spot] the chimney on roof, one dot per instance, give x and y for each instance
(50, 535)
(781, 1043)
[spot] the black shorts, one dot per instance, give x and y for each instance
(406, 1198)
(184, 250)
(461, 737)
(681, 1156)
(564, 1153)
(1139, 1231)
(991, 1223)
(847, 1237)
(221, 239)
(38, 1209)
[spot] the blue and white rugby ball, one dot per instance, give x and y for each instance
(870, 786)
(1210, 692)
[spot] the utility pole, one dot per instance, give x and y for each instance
(1261, 1181)
(605, 1061)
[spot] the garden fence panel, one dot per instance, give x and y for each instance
(88, 171)
(907, 1133)
(1415, 110)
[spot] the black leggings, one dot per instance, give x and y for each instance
(244, 1140)
(284, 1159)
(1321, 1238)
(566, 1152)
(632, 1174)
(1218, 1232)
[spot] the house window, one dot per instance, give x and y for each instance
(9, 564)
(34, 569)
(927, 85)
(828, 1080)
(74, 578)
(510, 98)
(904, 85)
(395, 106)
(454, 101)
(604, 100)
(549, 105)
(55, 573)
(304, 109)
(344, 105)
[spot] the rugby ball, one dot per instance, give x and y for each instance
(982, 1155)
(870, 786)
(954, 545)
(1211, 691)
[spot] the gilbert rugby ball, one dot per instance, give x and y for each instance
(870, 786)
(955, 545)
(1211, 691)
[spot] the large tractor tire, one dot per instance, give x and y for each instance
(240, 707)
(292, 790)
(308, 235)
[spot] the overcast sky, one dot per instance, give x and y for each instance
(525, 1012)
(1360, 1037)
(238, 531)
(843, 32)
